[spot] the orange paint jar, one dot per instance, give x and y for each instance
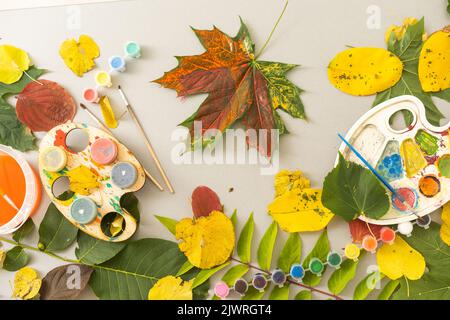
(19, 184)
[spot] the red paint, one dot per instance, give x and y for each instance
(408, 195)
(369, 243)
(387, 235)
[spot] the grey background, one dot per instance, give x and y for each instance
(310, 34)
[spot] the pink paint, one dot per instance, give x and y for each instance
(104, 151)
(91, 95)
(221, 290)
(408, 195)
(369, 243)
(387, 235)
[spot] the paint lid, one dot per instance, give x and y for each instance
(83, 210)
(53, 159)
(104, 151)
(124, 175)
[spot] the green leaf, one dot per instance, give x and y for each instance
(435, 284)
(265, 249)
(131, 203)
(132, 272)
(388, 290)
(320, 251)
(340, 278)
(367, 285)
(186, 267)
(279, 293)
(95, 251)
(234, 273)
(15, 259)
(448, 7)
(291, 252)
(17, 87)
(169, 223)
(444, 95)
(303, 295)
(205, 274)
(408, 50)
(244, 245)
(234, 219)
(55, 231)
(253, 294)
(24, 231)
(350, 190)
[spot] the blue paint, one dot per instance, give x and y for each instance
(278, 277)
(83, 210)
(297, 271)
(117, 63)
(124, 175)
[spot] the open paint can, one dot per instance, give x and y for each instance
(20, 190)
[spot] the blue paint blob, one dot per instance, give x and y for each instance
(297, 271)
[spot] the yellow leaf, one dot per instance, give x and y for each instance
(364, 71)
(445, 228)
(2, 258)
(400, 259)
(82, 180)
(286, 180)
(171, 288)
(107, 112)
(207, 241)
(79, 56)
(300, 210)
(400, 30)
(13, 62)
(26, 283)
(434, 62)
(116, 226)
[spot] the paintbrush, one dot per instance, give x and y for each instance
(146, 140)
(379, 176)
(106, 129)
(8, 199)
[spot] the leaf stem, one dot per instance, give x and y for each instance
(33, 79)
(273, 30)
(329, 294)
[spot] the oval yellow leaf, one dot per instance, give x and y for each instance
(26, 283)
(445, 228)
(171, 288)
(364, 71)
(207, 241)
(300, 210)
(79, 56)
(434, 62)
(400, 259)
(13, 62)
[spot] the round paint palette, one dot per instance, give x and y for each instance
(414, 160)
(91, 197)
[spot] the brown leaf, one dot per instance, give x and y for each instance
(204, 201)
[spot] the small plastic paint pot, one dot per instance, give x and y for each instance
(104, 151)
(117, 63)
(369, 243)
(53, 159)
(424, 222)
(278, 277)
(133, 50)
(352, 251)
(91, 95)
(408, 195)
(103, 79)
(83, 210)
(241, 286)
(334, 260)
(221, 290)
(124, 175)
(387, 235)
(259, 282)
(405, 228)
(429, 186)
(316, 266)
(297, 272)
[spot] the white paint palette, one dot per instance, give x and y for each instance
(414, 160)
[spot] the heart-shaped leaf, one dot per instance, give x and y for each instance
(13, 63)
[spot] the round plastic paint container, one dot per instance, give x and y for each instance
(91, 95)
(117, 63)
(19, 182)
(132, 49)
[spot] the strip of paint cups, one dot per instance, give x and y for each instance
(91, 95)
(103, 79)
(133, 50)
(117, 63)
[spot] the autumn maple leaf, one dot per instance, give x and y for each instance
(239, 86)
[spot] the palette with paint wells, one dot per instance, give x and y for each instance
(414, 160)
(85, 172)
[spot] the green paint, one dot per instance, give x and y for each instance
(444, 165)
(316, 266)
(427, 142)
(334, 259)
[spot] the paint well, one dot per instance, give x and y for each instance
(444, 165)
(413, 158)
(390, 164)
(429, 186)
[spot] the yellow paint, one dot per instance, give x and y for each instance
(352, 251)
(412, 157)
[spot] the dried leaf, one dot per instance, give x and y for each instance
(44, 105)
(204, 201)
(207, 241)
(300, 210)
(26, 284)
(13, 63)
(364, 71)
(445, 227)
(65, 282)
(108, 112)
(434, 65)
(400, 259)
(82, 180)
(359, 229)
(286, 180)
(171, 288)
(79, 56)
